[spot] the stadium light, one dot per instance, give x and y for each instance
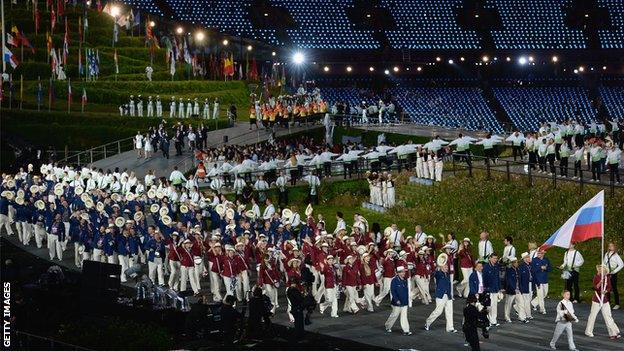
(249, 47)
(485, 58)
(114, 11)
(438, 59)
(522, 60)
(371, 68)
(152, 24)
(199, 36)
(395, 68)
(581, 69)
(508, 59)
(531, 59)
(266, 14)
(298, 58)
(273, 53)
(604, 68)
(225, 42)
(555, 58)
(462, 59)
(386, 72)
(575, 71)
(450, 61)
(180, 30)
(419, 68)
(88, 2)
(326, 68)
(349, 68)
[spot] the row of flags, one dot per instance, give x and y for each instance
(39, 92)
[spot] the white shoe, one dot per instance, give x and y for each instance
(616, 307)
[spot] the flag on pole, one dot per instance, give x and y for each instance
(84, 97)
(80, 36)
(69, 93)
(49, 41)
(137, 19)
(37, 20)
(587, 223)
(11, 40)
(80, 66)
(66, 43)
(116, 62)
(52, 20)
(39, 93)
(10, 58)
(172, 65)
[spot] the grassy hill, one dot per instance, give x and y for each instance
(466, 206)
(100, 123)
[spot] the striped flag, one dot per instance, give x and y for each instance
(10, 58)
(587, 223)
(116, 62)
(69, 92)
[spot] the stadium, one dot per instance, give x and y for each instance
(312, 174)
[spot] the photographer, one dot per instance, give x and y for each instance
(472, 321)
(230, 319)
(297, 305)
(259, 313)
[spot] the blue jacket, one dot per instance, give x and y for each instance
(473, 282)
(4, 206)
(491, 278)
(525, 277)
(60, 230)
(399, 292)
(540, 276)
(153, 246)
(512, 280)
(443, 285)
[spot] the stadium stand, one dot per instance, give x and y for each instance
(323, 24)
(613, 38)
(528, 107)
(535, 24)
(428, 24)
(146, 5)
(613, 100)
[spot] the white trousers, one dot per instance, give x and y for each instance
(215, 286)
(230, 285)
(156, 269)
(188, 273)
(369, 295)
(385, 290)
(419, 168)
(398, 311)
(493, 312)
(54, 247)
(199, 268)
(27, 230)
(174, 274)
(124, 262)
(443, 305)
(560, 327)
(463, 288)
(40, 234)
(431, 166)
(540, 295)
(5, 222)
(510, 300)
(438, 170)
(330, 300)
(242, 288)
(77, 256)
(612, 328)
(98, 255)
(526, 303)
(422, 284)
(271, 291)
(351, 300)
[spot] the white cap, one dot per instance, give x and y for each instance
(400, 269)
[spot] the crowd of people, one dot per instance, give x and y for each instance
(205, 241)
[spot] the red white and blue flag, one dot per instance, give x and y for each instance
(10, 58)
(587, 223)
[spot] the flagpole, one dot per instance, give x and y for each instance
(3, 35)
(602, 252)
(68, 95)
(21, 89)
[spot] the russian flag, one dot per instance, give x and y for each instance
(587, 223)
(10, 58)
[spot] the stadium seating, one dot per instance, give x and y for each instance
(463, 107)
(428, 24)
(528, 107)
(613, 38)
(534, 24)
(146, 5)
(448, 107)
(323, 24)
(613, 100)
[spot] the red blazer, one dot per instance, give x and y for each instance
(267, 275)
(241, 263)
(229, 267)
(173, 252)
(330, 277)
(371, 278)
(217, 263)
(388, 267)
(350, 276)
(465, 259)
(186, 257)
(597, 284)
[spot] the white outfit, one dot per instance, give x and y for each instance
(443, 305)
(563, 307)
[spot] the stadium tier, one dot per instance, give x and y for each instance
(528, 107)
(535, 24)
(462, 107)
(422, 24)
(428, 24)
(613, 38)
(613, 100)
